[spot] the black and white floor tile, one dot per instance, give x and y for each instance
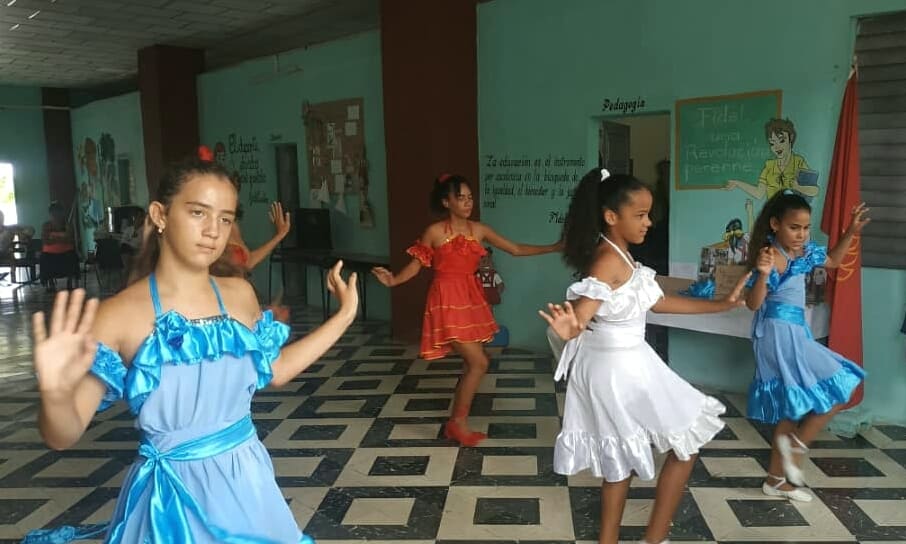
(358, 448)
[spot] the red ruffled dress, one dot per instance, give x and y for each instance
(456, 309)
(240, 255)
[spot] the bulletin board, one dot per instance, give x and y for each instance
(334, 133)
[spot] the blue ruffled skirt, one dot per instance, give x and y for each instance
(795, 375)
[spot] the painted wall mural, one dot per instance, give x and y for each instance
(105, 181)
(786, 170)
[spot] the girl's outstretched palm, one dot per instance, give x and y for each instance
(562, 320)
(345, 290)
(64, 357)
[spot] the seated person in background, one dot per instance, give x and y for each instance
(58, 254)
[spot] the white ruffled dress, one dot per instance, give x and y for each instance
(622, 398)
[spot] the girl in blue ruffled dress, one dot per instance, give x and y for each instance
(186, 351)
(799, 384)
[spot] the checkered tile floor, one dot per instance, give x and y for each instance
(358, 451)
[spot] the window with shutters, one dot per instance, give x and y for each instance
(881, 57)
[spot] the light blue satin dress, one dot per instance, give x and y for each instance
(202, 475)
(794, 374)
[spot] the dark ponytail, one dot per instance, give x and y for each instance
(775, 208)
(585, 220)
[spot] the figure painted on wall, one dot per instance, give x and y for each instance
(736, 240)
(91, 211)
(91, 215)
(107, 170)
(733, 249)
(736, 236)
(788, 171)
(80, 155)
(90, 158)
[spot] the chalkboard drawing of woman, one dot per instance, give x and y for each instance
(788, 171)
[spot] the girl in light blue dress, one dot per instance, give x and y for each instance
(186, 351)
(799, 384)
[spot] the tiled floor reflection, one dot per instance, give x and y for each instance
(358, 449)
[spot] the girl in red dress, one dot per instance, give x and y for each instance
(457, 316)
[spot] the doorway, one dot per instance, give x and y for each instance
(124, 178)
(8, 194)
(639, 145)
(287, 160)
(292, 279)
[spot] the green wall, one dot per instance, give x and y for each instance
(545, 70)
(22, 144)
(252, 102)
(121, 118)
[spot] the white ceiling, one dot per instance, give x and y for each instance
(85, 43)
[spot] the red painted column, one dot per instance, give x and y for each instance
(167, 82)
(430, 82)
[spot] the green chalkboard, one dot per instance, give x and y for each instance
(719, 138)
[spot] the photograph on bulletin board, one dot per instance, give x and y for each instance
(334, 133)
(720, 140)
(337, 165)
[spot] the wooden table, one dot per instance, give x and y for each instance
(736, 322)
(361, 263)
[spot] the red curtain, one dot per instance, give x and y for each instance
(844, 287)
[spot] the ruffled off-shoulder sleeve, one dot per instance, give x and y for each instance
(109, 368)
(271, 335)
(812, 257)
(176, 340)
(815, 255)
(424, 254)
(590, 287)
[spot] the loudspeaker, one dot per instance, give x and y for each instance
(312, 227)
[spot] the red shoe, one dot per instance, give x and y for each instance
(453, 431)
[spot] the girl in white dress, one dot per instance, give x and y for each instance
(622, 398)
